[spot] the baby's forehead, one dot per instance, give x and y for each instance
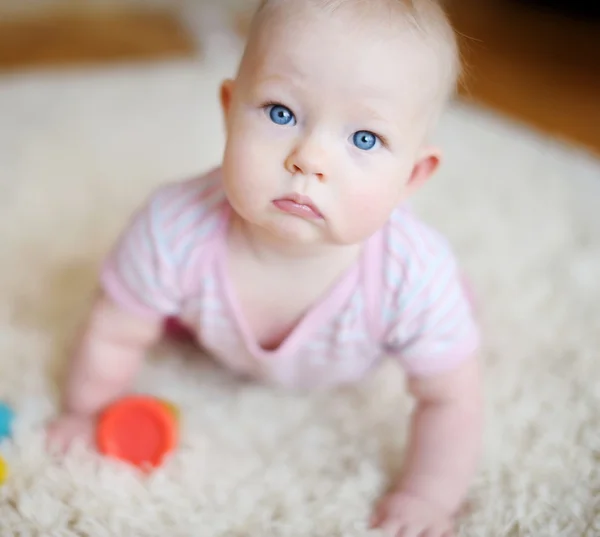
(406, 45)
(356, 62)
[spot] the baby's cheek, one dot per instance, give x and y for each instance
(365, 211)
(245, 168)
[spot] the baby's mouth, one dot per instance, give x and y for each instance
(298, 205)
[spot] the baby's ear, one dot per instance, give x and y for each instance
(427, 163)
(226, 94)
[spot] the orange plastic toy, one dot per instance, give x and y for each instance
(140, 430)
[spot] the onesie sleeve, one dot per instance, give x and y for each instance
(431, 324)
(140, 272)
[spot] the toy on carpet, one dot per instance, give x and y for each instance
(3, 470)
(140, 430)
(7, 417)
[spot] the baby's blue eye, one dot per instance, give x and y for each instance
(365, 140)
(281, 115)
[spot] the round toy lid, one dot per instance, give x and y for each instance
(140, 430)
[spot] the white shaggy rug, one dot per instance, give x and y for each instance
(79, 150)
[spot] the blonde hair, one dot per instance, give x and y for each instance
(427, 17)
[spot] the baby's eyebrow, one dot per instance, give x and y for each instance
(371, 112)
(288, 72)
(274, 79)
(278, 81)
(282, 67)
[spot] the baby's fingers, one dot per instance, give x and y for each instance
(440, 530)
(398, 526)
(394, 528)
(62, 433)
(389, 526)
(380, 514)
(410, 531)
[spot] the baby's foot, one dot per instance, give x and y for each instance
(70, 428)
(403, 515)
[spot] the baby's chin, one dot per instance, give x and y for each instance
(306, 233)
(291, 230)
(295, 230)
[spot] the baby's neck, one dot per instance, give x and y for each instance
(268, 249)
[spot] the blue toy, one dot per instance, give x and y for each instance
(7, 417)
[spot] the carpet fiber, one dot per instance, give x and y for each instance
(78, 151)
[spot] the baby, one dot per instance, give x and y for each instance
(296, 262)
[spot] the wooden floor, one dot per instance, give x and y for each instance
(82, 38)
(537, 67)
(540, 69)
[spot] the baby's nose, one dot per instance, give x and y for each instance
(307, 159)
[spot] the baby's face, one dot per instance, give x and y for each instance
(325, 125)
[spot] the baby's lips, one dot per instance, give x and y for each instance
(298, 205)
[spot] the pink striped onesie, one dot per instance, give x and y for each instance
(403, 298)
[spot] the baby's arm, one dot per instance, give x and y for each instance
(445, 436)
(141, 283)
(430, 328)
(107, 356)
(443, 451)
(102, 367)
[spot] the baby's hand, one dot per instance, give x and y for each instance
(69, 428)
(402, 515)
